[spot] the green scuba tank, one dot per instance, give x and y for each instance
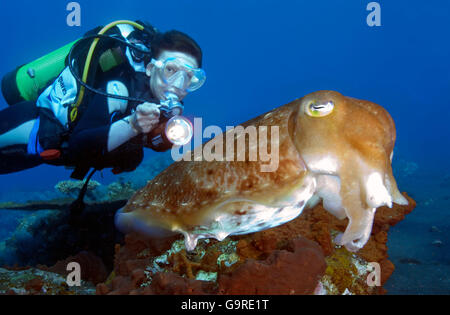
(27, 81)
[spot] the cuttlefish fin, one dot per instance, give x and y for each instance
(128, 222)
(365, 186)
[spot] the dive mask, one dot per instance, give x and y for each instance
(178, 74)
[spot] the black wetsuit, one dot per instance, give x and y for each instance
(86, 145)
(14, 157)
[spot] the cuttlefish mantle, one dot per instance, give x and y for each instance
(332, 148)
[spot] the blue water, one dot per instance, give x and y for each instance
(262, 54)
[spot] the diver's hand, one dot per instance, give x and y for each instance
(145, 118)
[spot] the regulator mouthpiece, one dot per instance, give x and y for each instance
(171, 106)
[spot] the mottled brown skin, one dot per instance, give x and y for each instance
(356, 138)
(203, 185)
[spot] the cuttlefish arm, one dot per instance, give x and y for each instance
(349, 142)
(359, 212)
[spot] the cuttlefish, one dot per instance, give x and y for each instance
(332, 148)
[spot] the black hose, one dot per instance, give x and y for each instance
(86, 86)
(77, 207)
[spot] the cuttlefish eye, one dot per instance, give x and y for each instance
(319, 109)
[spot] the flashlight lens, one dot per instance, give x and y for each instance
(179, 130)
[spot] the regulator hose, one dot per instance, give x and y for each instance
(74, 111)
(88, 87)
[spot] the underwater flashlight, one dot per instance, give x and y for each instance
(173, 129)
(177, 130)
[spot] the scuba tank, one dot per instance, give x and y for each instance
(27, 82)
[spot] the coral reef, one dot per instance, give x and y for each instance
(8, 219)
(162, 266)
(45, 237)
(236, 265)
(48, 236)
(282, 272)
(92, 268)
(73, 187)
(295, 258)
(120, 190)
(217, 268)
(33, 281)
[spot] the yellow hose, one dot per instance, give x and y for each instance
(74, 111)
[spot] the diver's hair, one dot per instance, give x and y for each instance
(176, 41)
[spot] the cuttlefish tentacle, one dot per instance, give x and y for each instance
(359, 213)
(375, 187)
(361, 197)
(356, 234)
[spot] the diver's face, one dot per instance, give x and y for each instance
(157, 85)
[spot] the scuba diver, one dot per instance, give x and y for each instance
(96, 102)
